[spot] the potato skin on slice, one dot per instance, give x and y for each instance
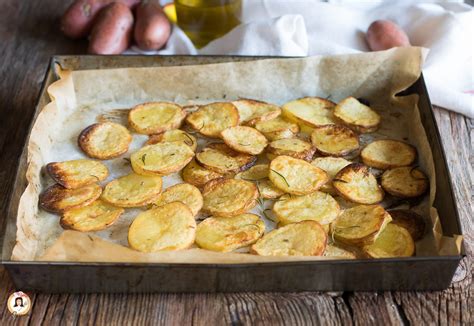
(77, 173)
(387, 154)
(222, 159)
(184, 193)
(244, 139)
(410, 220)
(229, 197)
(168, 227)
(252, 112)
(104, 140)
(225, 234)
(357, 116)
(132, 190)
(155, 117)
(211, 119)
(94, 217)
(296, 176)
(293, 147)
(331, 165)
(197, 175)
(356, 184)
(172, 136)
(305, 238)
(57, 199)
(277, 128)
(405, 182)
(334, 140)
(393, 241)
(309, 112)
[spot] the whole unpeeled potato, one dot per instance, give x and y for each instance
(152, 28)
(384, 34)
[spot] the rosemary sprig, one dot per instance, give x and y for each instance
(190, 139)
(286, 181)
(143, 158)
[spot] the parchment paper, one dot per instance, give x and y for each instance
(81, 98)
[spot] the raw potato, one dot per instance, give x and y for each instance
(360, 225)
(259, 174)
(184, 193)
(153, 28)
(331, 165)
(405, 182)
(357, 116)
(77, 173)
(334, 140)
(211, 119)
(94, 217)
(410, 220)
(384, 34)
(132, 190)
(229, 197)
(296, 176)
(222, 159)
(309, 112)
(388, 154)
(162, 158)
(393, 241)
(155, 117)
(306, 238)
(58, 199)
(356, 184)
(277, 128)
(168, 227)
(172, 136)
(333, 250)
(244, 139)
(104, 140)
(225, 234)
(197, 175)
(252, 112)
(293, 147)
(318, 206)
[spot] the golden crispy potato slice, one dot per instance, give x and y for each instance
(296, 176)
(229, 197)
(334, 250)
(356, 184)
(293, 147)
(244, 139)
(168, 227)
(162, 158)
(267, 190)
(309, 112)
(259, 174)
(58, 199)
(356, 115)
(155, 117)
(334, 140)
(252, 111)
(104, 140)
(317, 206)
(132, 190)
(410, 220)
(211, 119)
(77, 173)
(172, 136)
(94, 217)
(393, 241)
(405, 182)
(331, 165)
(388, 154)
(197, 175)
(225, 234)
(305, 238)
(184, 193)
(221, 158)
(360, 225)
(277, 128)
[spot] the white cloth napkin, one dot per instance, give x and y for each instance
(311, 27)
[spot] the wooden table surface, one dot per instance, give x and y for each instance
(29, 35)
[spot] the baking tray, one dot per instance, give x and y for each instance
(413, 273)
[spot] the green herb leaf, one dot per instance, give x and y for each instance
(281, 177)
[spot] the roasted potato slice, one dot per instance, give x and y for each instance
(393, 241)
(388, 154)
(132, 190)
(317, 206)
(211, 119)
(184, 193)
(77, 173)
(162, 158)
(197, 175)
(309, 112)
(244, 139)
(277, 128)
(104, 140)
(259, 174)
(334, 250)
(305, 238)
(410, 220)
(331, 165)
(168, 227)
(356, 184)
(229, 197)
(57, 199)
(222, 159)
(94, 217)
(155, 117)
(296, 176)
(252, 111)
(172, 136)
(405, 182)
(360, 225)
(293, 147)
(225, 234)
(334, 140)
(267, 190)
(356, 115)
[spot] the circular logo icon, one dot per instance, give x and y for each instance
(19, 303)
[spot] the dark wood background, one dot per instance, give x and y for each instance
(29, 35)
